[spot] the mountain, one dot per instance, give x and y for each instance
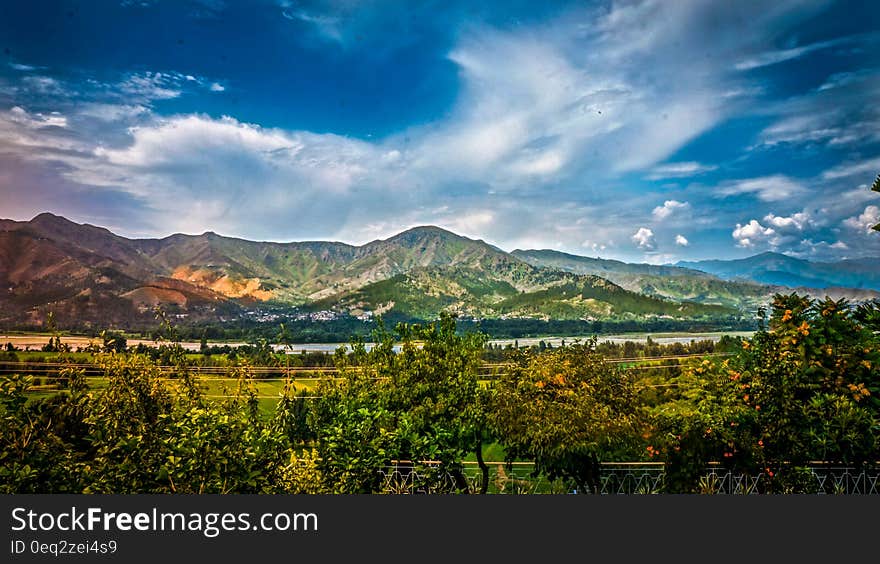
(669, 282)
(88, 275)
(783, 270)
(85, 273)
(301, 272)
(525, 291)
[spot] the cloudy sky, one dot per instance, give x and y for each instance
(648, 131)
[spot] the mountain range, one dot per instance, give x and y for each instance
(83, 273)
(783, 270)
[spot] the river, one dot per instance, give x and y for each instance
(36, 341)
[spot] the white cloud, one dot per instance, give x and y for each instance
(152, 86)
(773, 188)
(782, 55)
(145, 87)
(658, 258)
(19, 115)
(188, 143)
(547, 119)
(819, 250)
(668, 208)
(801, 129)
(593, 245)
(644, 239)
(837, 126)
(474, 223)
(111, 112)
(865, 221)
(327, 26)
(681, 241)
(796, 221)
(34, 135)
(841, 79)
(43, 85)
(679, 170)
(868, 168)
(236, 175)
(25, 68)
(542, 104)
(753, 233)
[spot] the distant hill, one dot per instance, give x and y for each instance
(86, 274)
(524, 292)
(670, 282)
(82, 272)
(783, 270)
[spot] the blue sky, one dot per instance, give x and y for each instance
(645, 130)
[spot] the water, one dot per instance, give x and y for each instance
(35, 342)
(659, 338)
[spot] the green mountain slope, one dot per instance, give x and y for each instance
(550, 294)
(669, 282)
(783, 270)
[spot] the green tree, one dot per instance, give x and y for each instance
(803, 389)
(113, 341)
(566, 409)
(702, 419)
(418, 410)
(876, 188)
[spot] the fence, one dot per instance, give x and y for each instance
(622, 478)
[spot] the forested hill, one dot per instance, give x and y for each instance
(84, 272)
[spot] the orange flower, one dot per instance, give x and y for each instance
(786, 316)
(804, 329)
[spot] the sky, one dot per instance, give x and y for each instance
(645, 130)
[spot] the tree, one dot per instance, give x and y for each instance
(702, 419)
(143, 434)
(113, 341)
(435, 382)
(565, 409)
(418, 411)
(804, 388)
(876, 188)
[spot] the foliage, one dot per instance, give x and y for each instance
(702, 420)
(565, 409)
(876, 188)
(404, 414)
(419, 409)
(143, 433)
(803, 389)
